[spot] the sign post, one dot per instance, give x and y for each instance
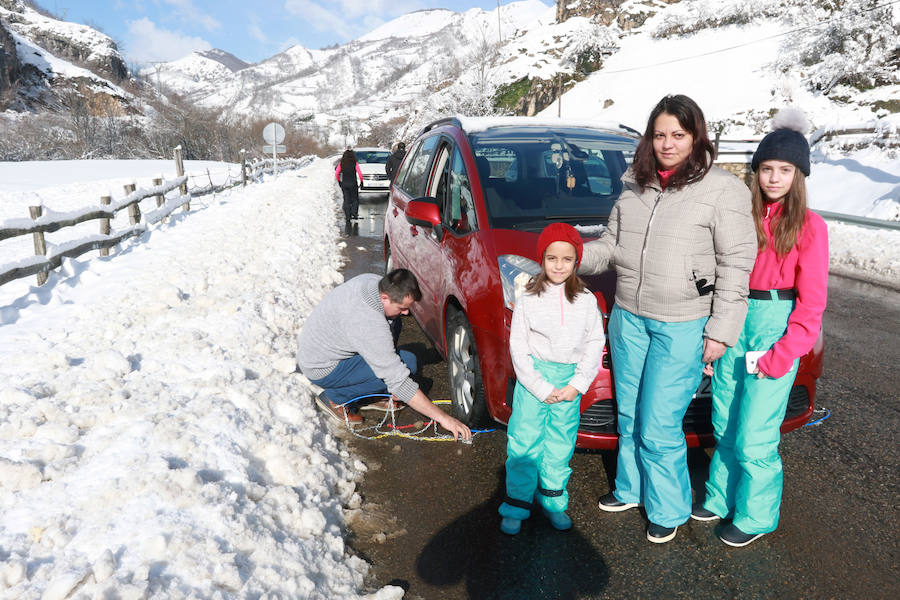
(273, 134)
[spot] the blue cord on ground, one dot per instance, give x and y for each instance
(819, 420)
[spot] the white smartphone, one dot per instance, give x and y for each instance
(752, 360)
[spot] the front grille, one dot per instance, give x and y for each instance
(600, 417)
(376, 177)
(798, 401)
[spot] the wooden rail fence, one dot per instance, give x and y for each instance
(38, 224)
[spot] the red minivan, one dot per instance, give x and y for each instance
(464, 214)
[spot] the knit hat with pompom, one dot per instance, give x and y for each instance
(787, 142)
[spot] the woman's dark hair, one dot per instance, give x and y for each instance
(398, 284)
(697, 164)
(348, 161)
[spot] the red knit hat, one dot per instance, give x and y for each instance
(560, 232)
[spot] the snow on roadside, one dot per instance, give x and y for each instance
(154, 440)
(871, 255)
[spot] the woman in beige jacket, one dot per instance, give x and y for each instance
(682, 240)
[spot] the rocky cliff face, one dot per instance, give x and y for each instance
(9, 66)
(28, 81)
(627, 14)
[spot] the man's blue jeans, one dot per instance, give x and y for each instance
(353, 377)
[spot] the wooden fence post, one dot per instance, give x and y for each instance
(159, 197)
(716, 144)
(40, 246)
(243, 167)
(134, 211)
(179, 170)
(104, 224)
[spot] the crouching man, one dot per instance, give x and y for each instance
(347, 347)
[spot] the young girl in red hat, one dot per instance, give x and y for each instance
(788, 288)
(555, 340)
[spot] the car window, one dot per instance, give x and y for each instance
(415, 178)
(404, 168)
(459, 208)
(533, 175)
(372, 156)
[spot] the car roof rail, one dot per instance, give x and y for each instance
(631, 130)
(440, 122)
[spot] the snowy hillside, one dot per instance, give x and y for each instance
(50, 58)
(376, 76)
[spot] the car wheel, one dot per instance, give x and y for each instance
(466, 388)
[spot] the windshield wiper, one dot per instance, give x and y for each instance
(563, 217)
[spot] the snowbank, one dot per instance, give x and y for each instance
(154, 439)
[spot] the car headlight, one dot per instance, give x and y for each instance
(515, 272)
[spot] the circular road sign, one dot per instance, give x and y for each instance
(273, 133)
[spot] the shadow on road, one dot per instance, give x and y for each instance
(539, 562)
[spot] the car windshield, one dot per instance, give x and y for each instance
(372, 156)
(533, 175)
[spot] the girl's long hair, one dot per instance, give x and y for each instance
(700, 160)
(787, 225)
(348, 161)
(574, 284)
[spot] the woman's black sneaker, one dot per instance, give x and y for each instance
(659, 534)
(698, 513)
(733, 536)
(610, 503)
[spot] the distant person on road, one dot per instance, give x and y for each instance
(682, 242)
(788, 289)
(349, 182)
(348, 347)
(394, 160)
(555, 341)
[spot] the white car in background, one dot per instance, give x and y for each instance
(371, 163)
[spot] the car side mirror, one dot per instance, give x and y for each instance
(423, 212)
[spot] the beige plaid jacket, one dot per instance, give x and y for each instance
(669, 246)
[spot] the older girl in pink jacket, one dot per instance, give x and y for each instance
(751, 381)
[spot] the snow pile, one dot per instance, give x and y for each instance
(154, 439)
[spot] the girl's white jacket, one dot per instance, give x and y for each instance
(550, 328)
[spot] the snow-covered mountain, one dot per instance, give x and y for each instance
(376, 76)
(598, 59)
(43, 60)
(743, 60)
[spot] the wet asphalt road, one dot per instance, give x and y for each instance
(429, 523)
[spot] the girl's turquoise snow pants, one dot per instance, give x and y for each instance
(657, 368)
(745, 475)
(540, 443)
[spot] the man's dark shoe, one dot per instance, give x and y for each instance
(659, 534)
(733, 536)
(610, 503)
(338, 413)
(698, 513)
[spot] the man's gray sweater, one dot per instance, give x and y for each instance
(350, 320)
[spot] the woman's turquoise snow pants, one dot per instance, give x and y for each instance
(745, 477)
(540, 443)
(657, 368)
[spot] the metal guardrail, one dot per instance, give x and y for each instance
(864, 221)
